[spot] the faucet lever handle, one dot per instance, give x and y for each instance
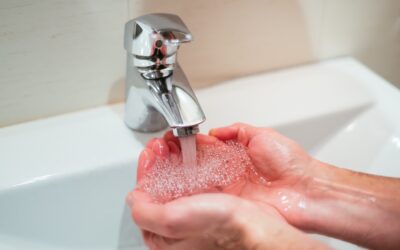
(145, 33)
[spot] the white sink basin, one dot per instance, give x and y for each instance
(63, 180)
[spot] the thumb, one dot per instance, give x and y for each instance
(241, 132)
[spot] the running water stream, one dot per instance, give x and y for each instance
(188, 149)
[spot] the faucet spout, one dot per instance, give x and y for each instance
(158, 93)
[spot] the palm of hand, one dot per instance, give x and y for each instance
(281, 164)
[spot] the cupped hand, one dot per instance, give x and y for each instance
(214, 221)
(284, 167)
(244, 220)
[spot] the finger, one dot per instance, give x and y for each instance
(173, 148)
(145, 163)
(195, 243)
(137, 196)
(206, 139)
(155, 241)
(224, 133)
(150, 143)
(149, 216)
(160, 148)
(228, 132)
(147, 238)
(183, 217)
(169, 136)
(241, 132)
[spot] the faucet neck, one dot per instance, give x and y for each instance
(157, 91)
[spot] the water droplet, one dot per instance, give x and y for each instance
(302, 204)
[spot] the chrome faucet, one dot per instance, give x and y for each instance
(157, 92)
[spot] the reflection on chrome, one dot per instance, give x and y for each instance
(157, 92)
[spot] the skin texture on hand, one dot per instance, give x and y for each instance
(283, 164)
(291, 186)
(212, 220)
(355, 207)
(317, 197)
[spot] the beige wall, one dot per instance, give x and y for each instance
(62, 56)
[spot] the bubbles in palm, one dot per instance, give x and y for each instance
(215, 167)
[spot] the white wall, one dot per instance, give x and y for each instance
(58, 56)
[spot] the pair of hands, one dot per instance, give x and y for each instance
(256, 216)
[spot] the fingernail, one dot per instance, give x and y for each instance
(211, 132)
(160, 149)
(144, 160)
(206, 139)
(157, 148)
(241, 137)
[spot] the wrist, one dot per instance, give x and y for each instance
(316, 196)
(328, 200)
(270, 232)
(347, 205)
(296, 198)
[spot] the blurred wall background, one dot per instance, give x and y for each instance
(59, 56)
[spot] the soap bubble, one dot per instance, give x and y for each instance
(218, 166)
